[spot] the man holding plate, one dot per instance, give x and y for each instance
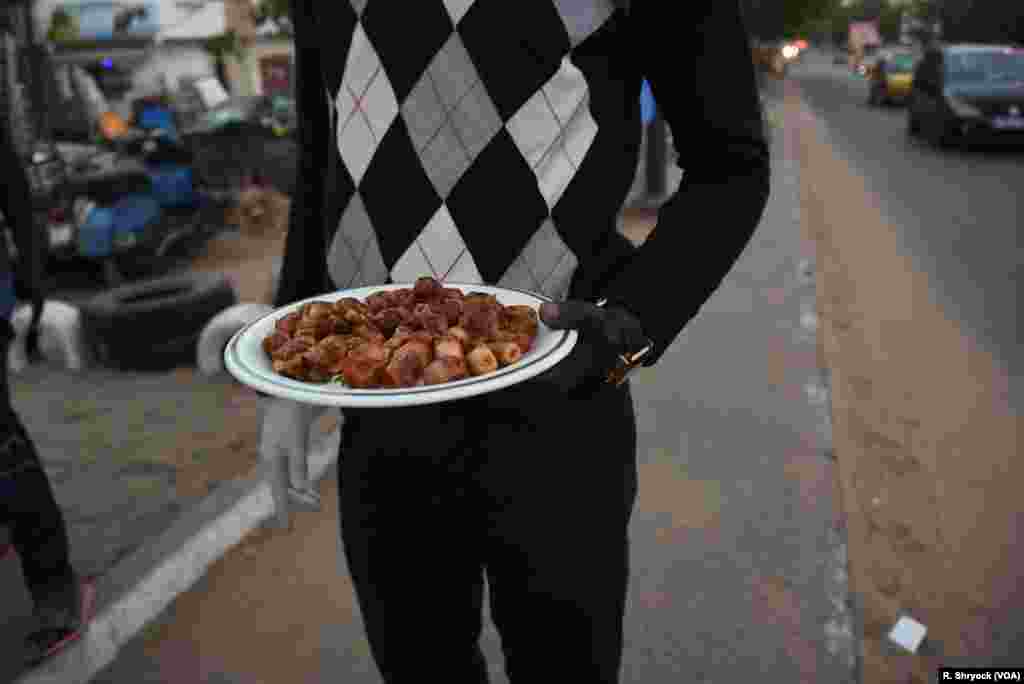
(493, 143)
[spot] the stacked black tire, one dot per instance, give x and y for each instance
(154, 325)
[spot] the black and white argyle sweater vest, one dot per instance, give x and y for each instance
(462, 138)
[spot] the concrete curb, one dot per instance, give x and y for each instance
(841, 628)
(170, 565)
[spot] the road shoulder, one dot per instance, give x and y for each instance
(924, 436)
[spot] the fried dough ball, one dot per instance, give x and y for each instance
(520, 319)
(349, 303)
(434, 323)
(340, 326)
(369, 332)
(291, 348)
(450, 308)
(293, 367)
(378, 301)
(373, 352)
(403, 370)
(273, 342)
(480, 321)
(327, 352)
(361, 374)
(444, 369)
(505, 352)
(355, 317)
(423, 351)
(460, 334)
(524, 341)
(288, 324)
(449, 347)
(317, 309)
(317, 328)
(388, 320)
(481, 361)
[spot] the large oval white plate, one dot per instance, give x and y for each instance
(245, 359)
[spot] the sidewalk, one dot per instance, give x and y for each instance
(739, 567)
(130, 455)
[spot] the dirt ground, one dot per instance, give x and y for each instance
(248, 259)
(926, 441)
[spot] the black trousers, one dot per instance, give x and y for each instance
(523, 487)
(27, 505)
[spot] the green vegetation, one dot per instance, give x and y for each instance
(278, 10)
(63, 26)
(770, 20)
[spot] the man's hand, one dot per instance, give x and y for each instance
(604, 334)
(286, 432)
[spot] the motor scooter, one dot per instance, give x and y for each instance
(128, 207)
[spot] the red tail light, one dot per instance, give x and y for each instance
(58, 215)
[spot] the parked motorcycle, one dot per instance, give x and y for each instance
(129, 207)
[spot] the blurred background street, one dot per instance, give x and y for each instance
(959, 211)
(832, 445)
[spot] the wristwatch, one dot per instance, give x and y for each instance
(628, 362)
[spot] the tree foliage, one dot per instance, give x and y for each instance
(777, 19)
(986, 21)
(277, 10)
(224, 44)
(63, 26)
(961, 20)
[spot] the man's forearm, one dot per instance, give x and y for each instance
(701, 232)
(697, 59)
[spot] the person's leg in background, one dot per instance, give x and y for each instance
(37, 529)
(559, 482)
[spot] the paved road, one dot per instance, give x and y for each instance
(737, 565)
(960, 213)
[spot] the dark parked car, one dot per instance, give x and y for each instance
(968, 93)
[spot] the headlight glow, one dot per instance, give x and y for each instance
(790, 51)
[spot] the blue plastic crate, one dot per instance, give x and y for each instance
(133, 215)
(172, 185)
(96, 234)
(151, 118)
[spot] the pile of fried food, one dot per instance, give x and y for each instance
(424, 335)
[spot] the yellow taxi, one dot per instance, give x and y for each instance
(891, 78)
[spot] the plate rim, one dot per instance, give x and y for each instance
(234, 363)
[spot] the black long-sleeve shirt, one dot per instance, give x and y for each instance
(490, 142)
